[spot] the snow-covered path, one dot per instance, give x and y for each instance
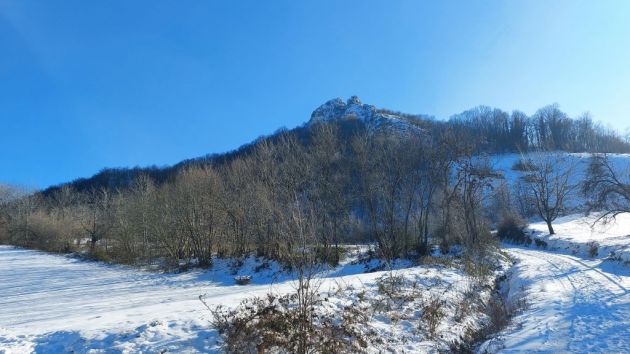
(573, 305)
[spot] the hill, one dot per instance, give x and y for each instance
(491, 130)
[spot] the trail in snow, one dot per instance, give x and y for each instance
(573, 305)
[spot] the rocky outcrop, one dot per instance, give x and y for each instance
(351, 109)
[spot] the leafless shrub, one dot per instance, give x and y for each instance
(272, 323)
(391, 285)
(540, 243)
(593, 249)
(523, 165)
(478, 267)
(498, 313)
(432, 314)
(511, 228)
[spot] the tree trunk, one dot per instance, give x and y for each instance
(551, 231)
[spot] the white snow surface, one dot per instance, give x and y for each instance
(575, 301)
(578, 162)
(59, 304)
(587, 237)
(572, 305)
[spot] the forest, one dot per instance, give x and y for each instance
(321, 186)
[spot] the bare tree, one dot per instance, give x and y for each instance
(607, 187)
(474, 175)
(198, 216)
(9, 206)
(330, 185)
(96, 220)
(547, 185)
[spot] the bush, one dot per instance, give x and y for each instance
(593, 249)
(277, 324)
(524, 165)
(330, 255)
(479, 267)
(498, 313)
(99, 254)
(432, 314)
(511, 228)
(391, 285)
(540, 243)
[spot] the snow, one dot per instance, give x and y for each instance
(577, 300)
(53, 303)
(573, 305)
(578, 234)
(578, 162)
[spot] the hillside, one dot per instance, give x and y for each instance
(489, 129)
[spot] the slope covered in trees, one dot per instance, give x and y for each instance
(491, 130)
(353, 173)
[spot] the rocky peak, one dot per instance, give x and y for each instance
(338, 109)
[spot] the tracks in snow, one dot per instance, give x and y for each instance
(573, 305)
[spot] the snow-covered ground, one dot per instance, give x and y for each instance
(577, 162)
(572, 305)
(57, 304)
(576, 289)
(583, 236)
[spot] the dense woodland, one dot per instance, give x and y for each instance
(328, 183)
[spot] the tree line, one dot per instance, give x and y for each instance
(336, 182)
(491, 130)
(548, 129)
(366, 187)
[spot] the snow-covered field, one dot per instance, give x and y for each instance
(572, 305)
(578, 161)
(56, 304)
(583, 236)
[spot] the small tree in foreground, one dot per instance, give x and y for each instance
(299, 322)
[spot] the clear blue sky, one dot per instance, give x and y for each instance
(89, 84)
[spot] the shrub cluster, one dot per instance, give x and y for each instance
(511, 228)
(281, 324)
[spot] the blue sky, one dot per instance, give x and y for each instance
(90, 84)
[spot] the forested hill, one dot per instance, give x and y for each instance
(489, 130)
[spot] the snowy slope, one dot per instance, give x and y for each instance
(578, 162)
(576, 233)
(573, 306)
(582, 235)
(57, 304)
